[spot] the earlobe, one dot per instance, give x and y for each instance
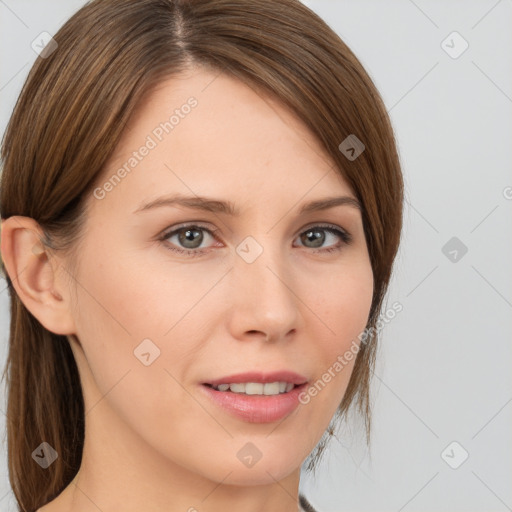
(33, 270)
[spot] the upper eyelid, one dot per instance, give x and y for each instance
(199, 224)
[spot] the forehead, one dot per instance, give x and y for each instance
(206, 133)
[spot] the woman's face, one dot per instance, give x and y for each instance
(174, 296)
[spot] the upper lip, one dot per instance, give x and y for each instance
(261, 377)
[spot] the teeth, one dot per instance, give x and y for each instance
(254, 388)
(257, 388)
(237, 388)
(271, 388)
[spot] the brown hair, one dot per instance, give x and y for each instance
(71, 114)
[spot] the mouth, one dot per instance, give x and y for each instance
(258, 383)
(255, 388)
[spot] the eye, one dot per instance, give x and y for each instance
(315, 236)
(188, 238)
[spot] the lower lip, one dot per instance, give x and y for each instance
(256, 408)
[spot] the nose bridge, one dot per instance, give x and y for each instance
(264, 292)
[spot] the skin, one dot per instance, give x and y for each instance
(153, 441)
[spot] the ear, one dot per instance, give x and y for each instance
(33, 270)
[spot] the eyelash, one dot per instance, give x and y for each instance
(191, 253)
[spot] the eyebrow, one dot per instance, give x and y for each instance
(228, 208)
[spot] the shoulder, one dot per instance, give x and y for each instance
(304, 505)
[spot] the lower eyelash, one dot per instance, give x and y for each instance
(343, 235)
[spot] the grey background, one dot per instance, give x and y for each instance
(443, 373)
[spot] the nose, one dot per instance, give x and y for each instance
(263, 303)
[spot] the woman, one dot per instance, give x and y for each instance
(201, 204)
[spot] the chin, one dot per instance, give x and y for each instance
(259, 474)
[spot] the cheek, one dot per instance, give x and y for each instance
(134, 300)
(345, 301)
(127, 310)
(128, 317)
(116, 312)
(344, 307)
